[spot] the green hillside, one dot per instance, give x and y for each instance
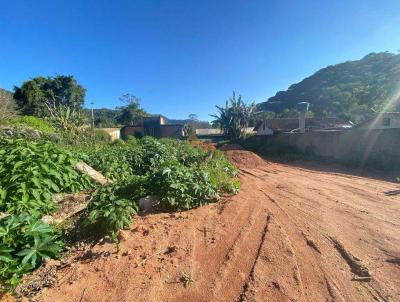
(349, 90)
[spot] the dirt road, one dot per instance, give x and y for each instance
(292, 234)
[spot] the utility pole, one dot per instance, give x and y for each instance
(91, 103)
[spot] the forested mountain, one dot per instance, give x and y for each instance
(351, 90)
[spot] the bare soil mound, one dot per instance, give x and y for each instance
(231, 147)
(244, 159)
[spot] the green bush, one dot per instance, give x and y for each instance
(101, 136)
(118, 142)
(183, 188)
(30, 172)
(112, 207)
(112, 161)
(24, 243)
(223, 174)
(174, 170)
(35, 123)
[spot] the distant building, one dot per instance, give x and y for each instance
(278, 125)
(384, 120)
(156, 126)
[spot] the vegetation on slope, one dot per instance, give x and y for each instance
(7, 105)
(38, 154)
(349, 90)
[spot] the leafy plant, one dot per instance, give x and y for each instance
(113, 161)
(177, 172)
(30, 172)
(24, 243)
(183, 188)
(186, 279)
(223, 173)
(111, 209)
(35, 123)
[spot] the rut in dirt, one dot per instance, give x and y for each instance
(291, 234)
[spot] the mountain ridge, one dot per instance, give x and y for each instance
(348, 89)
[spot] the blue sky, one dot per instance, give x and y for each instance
(183, 57)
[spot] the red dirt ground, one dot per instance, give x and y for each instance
(291, 234)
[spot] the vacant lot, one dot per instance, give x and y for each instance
(292, 234)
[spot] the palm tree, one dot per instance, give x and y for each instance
(233, 119)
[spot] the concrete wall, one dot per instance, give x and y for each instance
(379, 148)
(173, 131)
(113, 132)
(383, 121)
(159, 131)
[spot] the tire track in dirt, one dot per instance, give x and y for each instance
(271, 242)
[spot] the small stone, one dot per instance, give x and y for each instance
(126, 253)
(47, 219)
(53, 262)
(123, 235)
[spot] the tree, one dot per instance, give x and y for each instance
(60, 90)
(132, 112)
(193, 117)
(234, 118)
(190, 126)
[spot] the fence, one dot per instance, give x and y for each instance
(379, 148)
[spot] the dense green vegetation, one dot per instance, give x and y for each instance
(35, 96)
(35, 123)
(30, 172)
(25, 242)
(175, 171)
(351, 90)
(38, 156)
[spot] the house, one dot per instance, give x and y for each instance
(279, 125)
(384, 120)
(156, 126)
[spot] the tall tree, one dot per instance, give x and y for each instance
(32, 96)
(234, 118)
(132, 112)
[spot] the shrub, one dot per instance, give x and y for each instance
(223, 173)
(183, 176)
(24, 243)
(35, 123)
(30, 172)
(118, 142)
(154, 154)
(183, 188)
(113, 161)
(101, 136)
(112, 208)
